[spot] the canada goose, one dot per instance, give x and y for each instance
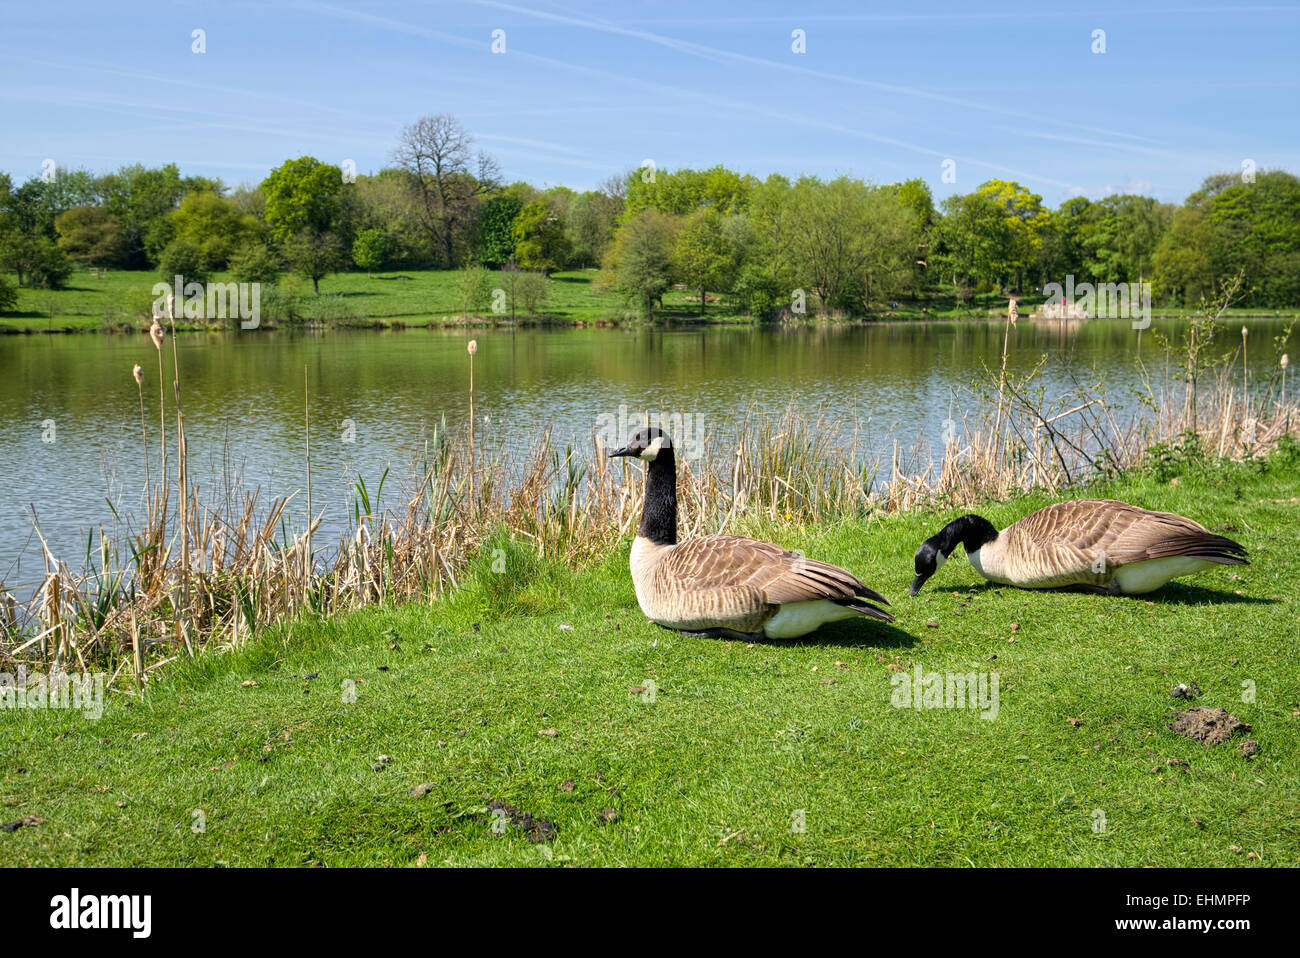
(1100, 544)
(728, 586)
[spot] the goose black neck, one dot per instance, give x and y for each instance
(971, 531)
(659, 513)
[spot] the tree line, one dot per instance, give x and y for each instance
(768, 247)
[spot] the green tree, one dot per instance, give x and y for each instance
(1122, 243)
(683, 191)
(766, 279)
(371, 249)
(315, 254)
(8, 295)
(495, 242)
(39, 263)
(1026, 221)
(1181, 265)
(255, 262)
(702, 257)
(591, 220)
(640, 259)
(91, 235)
(183, 258)
(1256, 228)
(143, 199)
(540, 240)
(915, 197)
(302, 195)
(975, 240)
(215, 225)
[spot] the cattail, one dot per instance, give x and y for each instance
(472, 348)
(138, 375)
(171, 307)
(156, 333)
(1245, 375)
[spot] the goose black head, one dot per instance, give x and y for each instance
(649, 443)
(971, 531)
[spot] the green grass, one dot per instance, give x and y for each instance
(415, 298)
(424, 297)
(737, 739)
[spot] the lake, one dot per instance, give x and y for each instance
(72, 419)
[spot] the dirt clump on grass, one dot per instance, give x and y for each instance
(535, 830)
(1209, 726)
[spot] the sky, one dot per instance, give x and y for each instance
(954, 92)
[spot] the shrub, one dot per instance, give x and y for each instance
(182, 258)
(474, 290)
(255, 263)
(371, 249)
(282, 303)
(334, 309)
(532, 290)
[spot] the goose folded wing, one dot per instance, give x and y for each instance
(780, 576)
(1079, 532)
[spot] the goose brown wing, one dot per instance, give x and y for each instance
(1077, 533)
(779, 575)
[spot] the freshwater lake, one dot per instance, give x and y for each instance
(71, 442)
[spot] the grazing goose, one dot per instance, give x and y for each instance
(1100, 544)
(728, 586)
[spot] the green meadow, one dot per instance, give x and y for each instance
(414, 298)
(535, 717)
(121, 299)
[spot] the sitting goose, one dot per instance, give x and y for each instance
(728, 586)
(1099, 544)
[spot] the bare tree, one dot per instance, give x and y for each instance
(615, 187)
(446, 177)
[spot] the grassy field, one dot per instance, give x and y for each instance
(415, 298)
(422, 297)
(524, 688)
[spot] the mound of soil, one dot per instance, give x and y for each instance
(536, 830)
(1209, 726)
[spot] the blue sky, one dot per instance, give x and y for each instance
(585, 90)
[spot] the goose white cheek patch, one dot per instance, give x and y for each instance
(651, 452)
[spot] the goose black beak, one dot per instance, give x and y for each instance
(916, 584)
(624, 451)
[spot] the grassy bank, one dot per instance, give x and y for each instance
(414, 298)
(737, 740)
(431, 297)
